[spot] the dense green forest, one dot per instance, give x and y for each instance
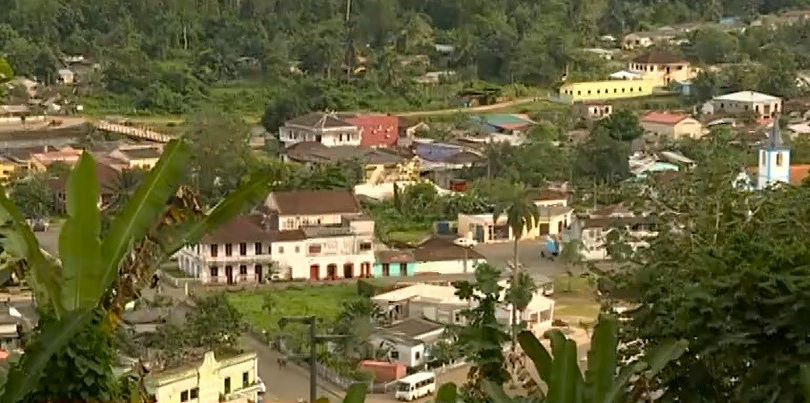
(169, 56)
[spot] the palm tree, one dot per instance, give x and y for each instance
(571, 253)
(521, 215)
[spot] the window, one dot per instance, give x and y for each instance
(242, 249)
(257, 248)
(416, 355)
(214, 271)
(579, 92)
(314, 249)
(289, 223)
(403, 269)
(779, 159)
(214, 250)
(386, 270)
(245, 379)
(243, 270)
(598, 91)
(227, 385)
(395, 355)
(184, 396)
(228, 249)
(365, 246)
(195, 393)
(280, 250)
(639, 89)
(297, 249)
(589, 92)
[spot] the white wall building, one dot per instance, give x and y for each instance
(409, 342)
(322, 127)
(233, 380)
(428, 301)
(311, 235)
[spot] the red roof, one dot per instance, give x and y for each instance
(376, 130)
(664, 118)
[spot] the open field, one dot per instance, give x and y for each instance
(323, 301)
(577, 305)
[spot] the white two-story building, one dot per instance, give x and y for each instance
(314, 235)
(321, 127)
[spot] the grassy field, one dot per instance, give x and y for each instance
(577, 304)
(322, 301)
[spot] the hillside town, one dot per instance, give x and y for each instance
(385, 243)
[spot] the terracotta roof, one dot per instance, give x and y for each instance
(437, 249)
(249, 229)
(315, 152)
(551, 194)
(393, 256)
(606, 222)
(107, 179)
(141, 153)
(658, 57)
(664, 118)
(611, 209)
(319, 120)
(316, 202)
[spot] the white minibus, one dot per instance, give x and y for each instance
(414, 386)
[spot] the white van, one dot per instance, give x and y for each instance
(414, 386)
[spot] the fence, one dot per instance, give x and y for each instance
(140, 132)
(322, 370)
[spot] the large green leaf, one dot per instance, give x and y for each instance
(622, 382)
(602, 357)
(448, 393)
(566, 378)
(144, 208)
(495, 392)
(537, 353)
(356, 393)
(663, 354)
(20, 242)
(24, 377)
(224, 211)
(80, 238)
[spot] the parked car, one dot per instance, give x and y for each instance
(466, 242)
(38, 224)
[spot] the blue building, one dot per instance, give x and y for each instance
(393, 263)
(774, 159)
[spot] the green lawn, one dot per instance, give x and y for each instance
(414, 236)
(579, 303)
(322, 301)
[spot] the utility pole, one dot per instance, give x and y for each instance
(312, 357)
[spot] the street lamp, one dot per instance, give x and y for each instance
(314, 339)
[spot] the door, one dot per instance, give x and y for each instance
(543, 229)
(314, 272)
(331, 272)
(403, 269)
(479, 233)
(229, 274)
(259, 274)
(348, 270)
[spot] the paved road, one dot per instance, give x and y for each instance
(288, 384)
(499, 254)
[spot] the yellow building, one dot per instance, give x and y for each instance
(138, 157)
(8, 167)
(604, 90)
(233, 379)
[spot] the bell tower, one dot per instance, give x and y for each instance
(774, 159)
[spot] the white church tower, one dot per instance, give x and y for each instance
(774, 159)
